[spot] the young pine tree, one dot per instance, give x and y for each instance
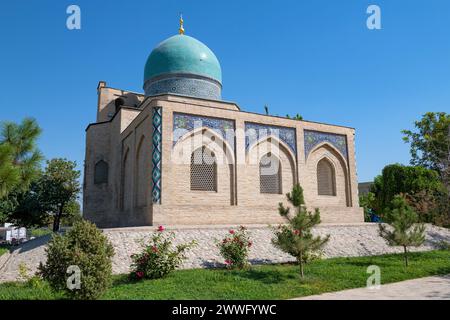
(296, 238)
(404, 231)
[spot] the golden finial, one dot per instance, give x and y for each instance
(181, 30)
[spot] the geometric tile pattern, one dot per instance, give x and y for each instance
(183, 123)
(156, 154)
(313, 138)
(254, 132)
(200, 88)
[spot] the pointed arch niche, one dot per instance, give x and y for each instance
(141, 173)
(126, 182)
(280, 180)
(328, 177)
(209, 140)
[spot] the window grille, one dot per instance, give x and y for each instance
(270, 174)
(203, 170)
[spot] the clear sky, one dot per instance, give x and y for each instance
(316, 58)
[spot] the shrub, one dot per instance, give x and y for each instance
(83, 246)
(159, 257)
(296, 238)
(234, 248)
(399, 179)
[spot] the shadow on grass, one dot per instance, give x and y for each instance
(264, 276)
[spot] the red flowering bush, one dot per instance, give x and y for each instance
(159, 257)
(234, 248)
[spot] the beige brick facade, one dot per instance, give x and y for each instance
(122, 137)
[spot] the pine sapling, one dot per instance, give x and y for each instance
(295, 237)
(404, 230)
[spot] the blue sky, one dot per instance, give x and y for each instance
(316, 58)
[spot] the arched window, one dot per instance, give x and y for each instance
(101, 172)
(326, 185)
(203, 170)
(270, 174)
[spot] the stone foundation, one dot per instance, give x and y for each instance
(345, 241)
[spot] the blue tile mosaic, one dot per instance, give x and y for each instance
(254, 132)
(192, 87)
(156, 154)
(313, 138)
(183, 123)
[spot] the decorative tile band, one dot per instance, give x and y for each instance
(313, 138)
(183, 123)
(156, 154)
(199, 88)
(254, 132)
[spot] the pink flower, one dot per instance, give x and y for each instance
(296, 232)
(227, 261)
(154, 249)
(139, 274)
(160, 228)
(231, 231)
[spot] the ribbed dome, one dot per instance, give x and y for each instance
(182, 54)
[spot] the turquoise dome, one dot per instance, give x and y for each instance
(182, 54)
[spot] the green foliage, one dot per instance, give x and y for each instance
(296, 237)
(9, 174)
(404, 230)
(58, 187)
(72, 214)
(271, 281)
(399, 179)
(19, 162)
(159, 257)
(430, 143)
(430, 147)
(3, 250)
(86, 247)
(296, 117)
(40, 232)
(53, 193)
(234, 248)
(25, 208)
(20, 158)
(368, 202)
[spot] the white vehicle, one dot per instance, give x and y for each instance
(11, 234)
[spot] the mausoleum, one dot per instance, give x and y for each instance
(179, 155)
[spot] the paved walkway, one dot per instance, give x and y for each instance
(428, 288)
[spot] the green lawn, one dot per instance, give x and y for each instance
(260, 282)
(3, 250)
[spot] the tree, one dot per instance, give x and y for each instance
(58, 186)
(430, 144)
(396, 179)
(9, 174)
(25, 208)
(19, 162)
(296, 237)
(367, 201)
(72, 213)
(404, 231)
(20, 158)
